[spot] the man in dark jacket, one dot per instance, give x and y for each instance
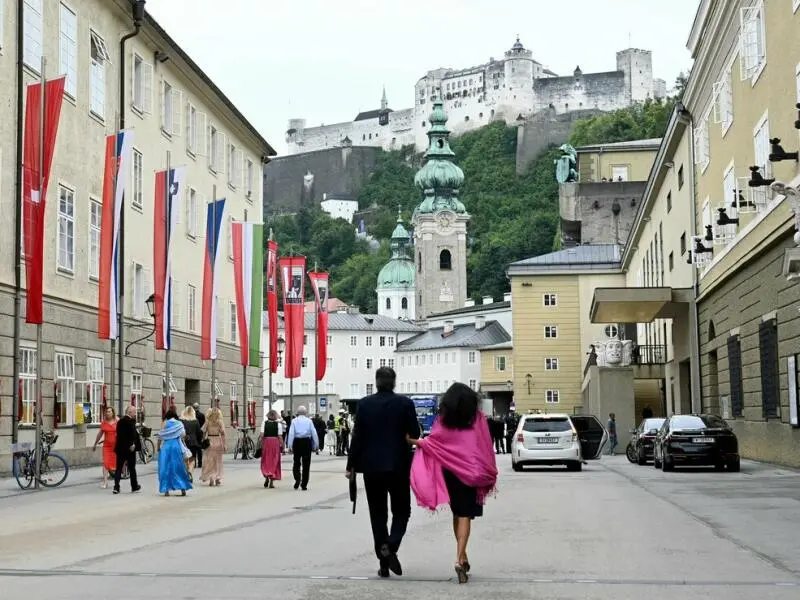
(319, 425)
(201, 420)
(379, 449)
(128, 444)
(512, 421)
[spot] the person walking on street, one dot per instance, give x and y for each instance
(214, 432)
(127, 445)
(302, 440)
(319, 425)
(172, 454)
(611, 426)
(512, 421)
(201, 419)
(193, 439)
(330, 436)
(271, 450)
(380, 451)
(108, 435)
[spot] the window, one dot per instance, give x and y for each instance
(680, 178)
(708, 219)
(234, 166)
(233, 392)
(353, 341)
(762, 147)
(175, 298)
(611, 331)
(551, 396)
(353, 363)
(138, 179)
(95, 218)
(95, 375)
(404, 301)
(445, 260)
(305, 388)
(329, 362)
(683, 243)
(723, 102)
(195, 130)
(702, 145)
(382, 362)
(142, 91)
(32, 42)
(191, 308)
(550, 300)
(27, 383)
(390, 341)
(753, 41)
(171, 100)
(369, 364)
(65, 386)
(370, 389)
(388, 304)
(136, 393)
(382, 341)
(391, 363)
(669, 201)
(551, 364)
(68, 49)
(249, 180)
(368, 341)
(770, 371)
(66, 229)
(97, 85)
(304, 362)
(192, 212)
(141, 287)
(305, 339)
(550, 331)
(499, 363)
(354, 390)
(471, 357)
(671, 260)
(329, 388)
(619, 173)
(735, 370)
(215, 146)
(233, 322)
(329, 340)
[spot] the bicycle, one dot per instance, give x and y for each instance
(148, 450)
(24, 463)
(245, 446)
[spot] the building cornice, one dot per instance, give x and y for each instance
(700, 19)
(600, 269)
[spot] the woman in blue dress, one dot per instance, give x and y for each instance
(172, 474)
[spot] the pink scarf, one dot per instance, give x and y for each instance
(467, 453)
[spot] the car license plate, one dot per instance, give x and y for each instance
(547, 440)
(703, 440)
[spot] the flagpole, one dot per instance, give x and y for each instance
(114, 275)
(244, 366)
(40, 215)
(316, 343)
(214, 398)
(166, 311)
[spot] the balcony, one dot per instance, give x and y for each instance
(647, 355)
(638, 304)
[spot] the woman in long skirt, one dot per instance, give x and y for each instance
(108, 435)
(271, 450)
(172, 474)
(214, 432)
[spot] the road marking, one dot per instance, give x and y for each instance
(320, 577)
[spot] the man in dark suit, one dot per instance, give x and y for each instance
(379, 449)
(128, 444)
(201, 420)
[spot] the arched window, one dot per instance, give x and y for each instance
(404, 303)
(388, 304)
(712, 331)
(445, 260)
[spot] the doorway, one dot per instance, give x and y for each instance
(685, 386)
(192, 387)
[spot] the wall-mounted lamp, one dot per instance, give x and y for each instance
(724, 219)
(797, 123)
(529, 380)
(669, 164)
(161, 57)
(757, 179)
(778, 154)
(709, 233)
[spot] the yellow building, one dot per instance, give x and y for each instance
(618, 161)
(497, 375)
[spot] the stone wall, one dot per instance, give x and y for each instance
(600, 91)
(588, 211)
(340, 172)
(755, 290)
(544, 129)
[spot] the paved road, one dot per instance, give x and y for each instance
(614, 531)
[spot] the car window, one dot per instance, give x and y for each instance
(687, 422)
(714, 422)
(542, 425)
(650, 424)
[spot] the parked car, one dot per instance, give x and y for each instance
(696, 440)
(640, 448)
(557, 439)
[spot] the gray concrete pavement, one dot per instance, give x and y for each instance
(615, 530)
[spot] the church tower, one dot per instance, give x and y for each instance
(440, 225)
(396, 293)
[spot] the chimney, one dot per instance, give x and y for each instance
(480, 322)
(469, 303)
(488, 299)
(448, 328)
(507, 297)
(353, 310)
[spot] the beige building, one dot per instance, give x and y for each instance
(174, 110)
(497, 376)
(617, 161)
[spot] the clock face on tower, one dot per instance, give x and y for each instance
(445, 219)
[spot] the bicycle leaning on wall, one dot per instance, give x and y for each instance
(53, 470)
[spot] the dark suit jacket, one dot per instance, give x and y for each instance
(379, 441)
(127, 435)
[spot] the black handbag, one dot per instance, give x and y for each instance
(259, 447)
(205, 444)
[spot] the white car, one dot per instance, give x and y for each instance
(557, 439)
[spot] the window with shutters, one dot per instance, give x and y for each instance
(723, 101)
(142, 93)
(95, 375)
(192, 212)
(66, 229)
(761, 147)
(68, 49)
(95, 219)
(141, 291)
(32, 28)
(97, 86)
(768, 349)
(708, 219)
(752, 38)
(702, 145)
(27, 383)
(171, 102)
(65, 382)
(735, 372)
(249, 180)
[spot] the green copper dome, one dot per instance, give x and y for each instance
(439, 179)
(399, 271)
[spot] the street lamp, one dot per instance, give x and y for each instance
(150, 303)
(529, 379)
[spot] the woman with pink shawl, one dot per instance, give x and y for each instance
(456, 465)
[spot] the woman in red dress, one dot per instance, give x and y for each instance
(108, 435)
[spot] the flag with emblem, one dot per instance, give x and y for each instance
(169, 189)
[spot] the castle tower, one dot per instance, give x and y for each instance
(440, 225)
(384, 101)
(396, 292)
(638, 68)
(519, 73)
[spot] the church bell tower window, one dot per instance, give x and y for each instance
(445, 261)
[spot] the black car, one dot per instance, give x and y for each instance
(702, 440)
(640, 449)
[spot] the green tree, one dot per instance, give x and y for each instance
(641, 121)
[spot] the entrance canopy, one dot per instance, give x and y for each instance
(638, 304)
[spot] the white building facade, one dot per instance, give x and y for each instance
(172, 107)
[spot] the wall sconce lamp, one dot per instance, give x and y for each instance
(689, 257)
(757, 179)
(528, 380)
(709, 233)
(699, 247)
(724, 219)
(797, 123)
(778, 154)
(596, 205)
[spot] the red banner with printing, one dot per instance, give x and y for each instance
(272, 304)
(293, 282)
(319, 282)
(39, 147)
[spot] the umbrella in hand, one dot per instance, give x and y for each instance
(353, 490)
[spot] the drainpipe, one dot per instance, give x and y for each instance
(694, 314)
(18, 225)
(138, 17)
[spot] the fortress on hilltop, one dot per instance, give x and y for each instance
(511, 89)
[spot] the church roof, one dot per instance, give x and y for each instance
(397, 273)
(371, 114)
(589, 257)
(466, 335)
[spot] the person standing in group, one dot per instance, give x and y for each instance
(330, 436)
(512, 422)
(380, 451)
(214, 432)
(611, 426)
(287, 424)
(193, 438)
(201, 419)
(302, 441)
(456, 465)
(337, 429)
(108, 435)
(172, 474)
(345, 434)
(319, 425)
(271, 450)
(127, 445)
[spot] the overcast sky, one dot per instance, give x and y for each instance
(326, 60)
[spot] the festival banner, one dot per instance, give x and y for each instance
(168, 192)
(248, 273)
(208, 336)
(119, 147)
(272, 303)
(319, 282)
(293, 282)
(37, 162)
